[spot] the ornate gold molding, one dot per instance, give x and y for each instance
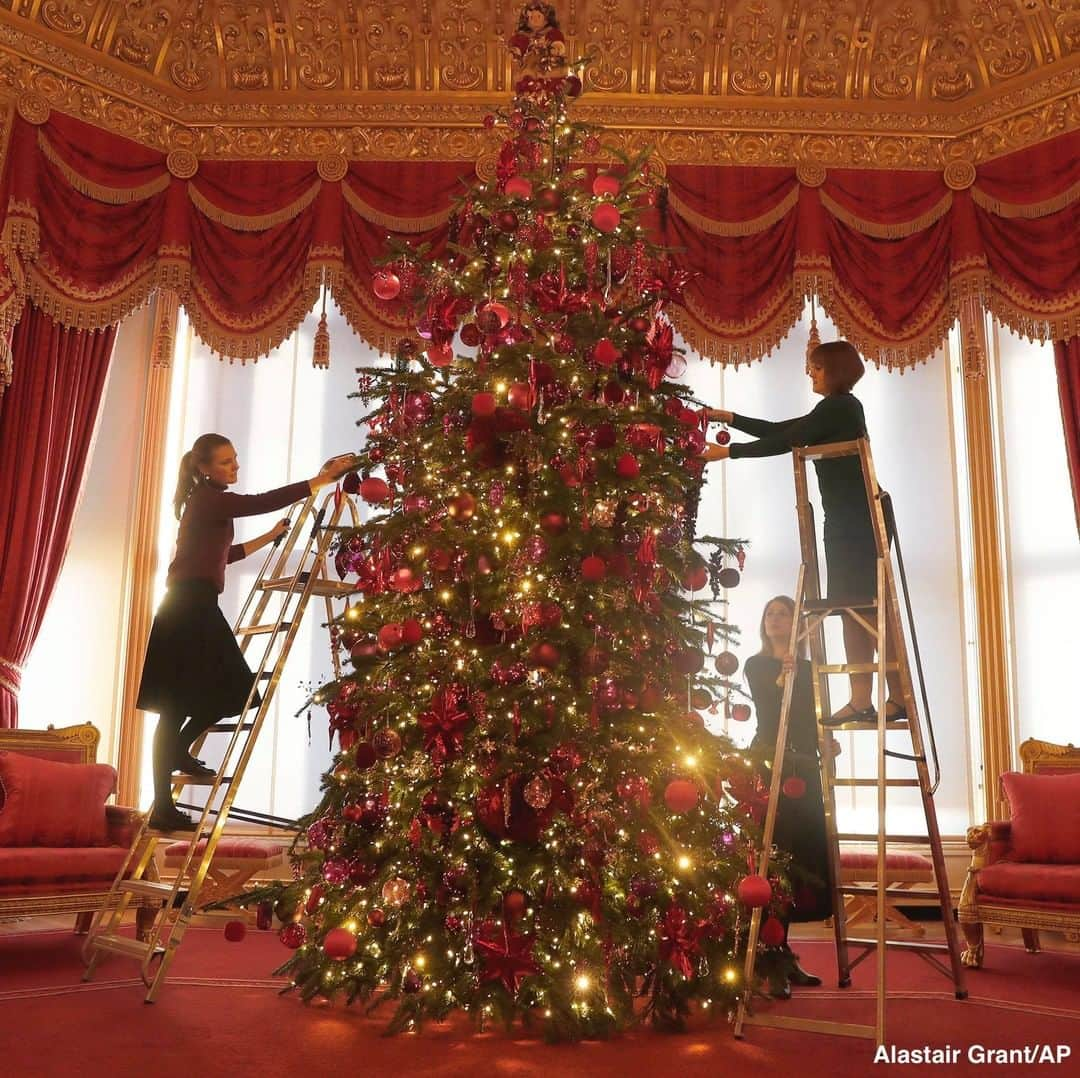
(865, 123)
(991, 613)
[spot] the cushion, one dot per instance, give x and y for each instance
(1045, 812)
(239, 850)
(1031, 883)
(53, 804)
(35, 866)
(894, 862)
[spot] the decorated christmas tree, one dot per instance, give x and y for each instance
(528, 817)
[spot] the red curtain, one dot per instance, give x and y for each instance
(92, 223)
(1067, 359)
(47, 419)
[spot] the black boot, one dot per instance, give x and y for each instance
(797, 975)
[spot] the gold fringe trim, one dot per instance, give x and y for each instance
(749, 227)
(1028, 210)
(388, 221)
(351, 297)
(257, 222)
(113, 196)
(891, 231)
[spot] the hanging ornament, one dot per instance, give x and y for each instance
(605, 185)
(395, 892)
(386, 743)
(772, 932)
(462, 507)
(681, 795)
(794, 787)
(606, 217)
(740, 712)
(339, 944)
(293, 935)
(728, 578)
(518, 187)
(375, 491)
(603, 514)
(814, 340)
(726, 663)
(537, 792)
(385, 284)
(754, 891)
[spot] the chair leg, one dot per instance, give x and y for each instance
(82, 922)
(1031, 940)
(973, 955)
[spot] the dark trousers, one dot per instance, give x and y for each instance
(172, 741)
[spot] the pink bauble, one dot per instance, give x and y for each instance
(518, 187)
(754, 891)
(375, 491)
(605, 185)
(606, 217)
(339, 944)
(386, 284)
(680, 795)
(593, 568)
(740, 712)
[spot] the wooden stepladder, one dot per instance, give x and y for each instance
(898, 741)
(273, 611)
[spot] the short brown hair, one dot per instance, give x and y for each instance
(842, 365)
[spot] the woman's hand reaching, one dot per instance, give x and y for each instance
(719, 414)
(716, 452)
(333, 470)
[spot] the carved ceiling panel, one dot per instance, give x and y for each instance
(913, 52)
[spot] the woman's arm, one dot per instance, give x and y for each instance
(231, 505)
(757, 427)
(243, 550)
(828, 422)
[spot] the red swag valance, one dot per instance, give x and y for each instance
(92, 223)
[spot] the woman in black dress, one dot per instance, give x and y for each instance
(850, 549)
(800, 820)
(194, 669)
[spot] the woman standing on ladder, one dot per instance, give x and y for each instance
(194, 669)
(850, 549)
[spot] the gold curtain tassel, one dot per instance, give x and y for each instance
(320, 357)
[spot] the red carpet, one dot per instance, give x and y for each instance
(220, 1015)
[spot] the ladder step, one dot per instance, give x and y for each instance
(914, 840)
(900, 945)
(838, 605)
(124, 945)
(229, 727)
(200, 780)
(811, 1025)
(150, 888)
(322, 586)
(874, 782)
(869, 723)
(856, 668)
(871, 891)
(256, 630)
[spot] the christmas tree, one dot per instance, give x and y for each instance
(528, 817)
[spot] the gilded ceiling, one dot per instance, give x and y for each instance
(913, 68)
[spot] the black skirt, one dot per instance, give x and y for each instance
(193, 665)
(851, 564)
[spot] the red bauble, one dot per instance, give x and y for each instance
(549, 200)
(375, 491)
(728, 578)
(405, 580)
(440, 560)
(339, 944)
(390, 636)
(573, 85)
(376, 918)
(726, 663)
(553, 523)
(462, 507)
(386, 285)
(507, 221)
(517, 396)
(723, 437)
(293, 935)
(772, 932)
(605, 185)
(440, 355)
(628, 466)
(499, 310)
(351, 483)
(514, 904)
(700, 699)
(680, 795)
(235, 931)
(471, 335)
(696, 578)
(606, 217)
(484, 404)
(545, 655)
(688, 660)
(605, 353)
(412, 632)
(365, 755)
(518, 187)
(754, 891)
(639, 323)
(794, 787)
(740, 712)
(593, 568)
(364, 651)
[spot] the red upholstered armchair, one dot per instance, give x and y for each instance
(60, 844)
(1025, 871)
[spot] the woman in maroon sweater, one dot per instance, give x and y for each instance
(194, 669)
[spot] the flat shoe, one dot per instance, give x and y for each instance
(846, 714)
(899, 714)
(798, 976)
(170, 820)
(188, 765)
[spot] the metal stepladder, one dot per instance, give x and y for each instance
(179, 899)
(882, 619)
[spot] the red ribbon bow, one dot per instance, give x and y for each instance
(444, 723)
(679, 940)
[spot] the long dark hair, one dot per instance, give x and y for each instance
(766, 643)
(192, 465)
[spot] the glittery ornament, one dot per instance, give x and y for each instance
(537, 792)
(293, 935)
(603, 514)
(386, 743)
(395, 892)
